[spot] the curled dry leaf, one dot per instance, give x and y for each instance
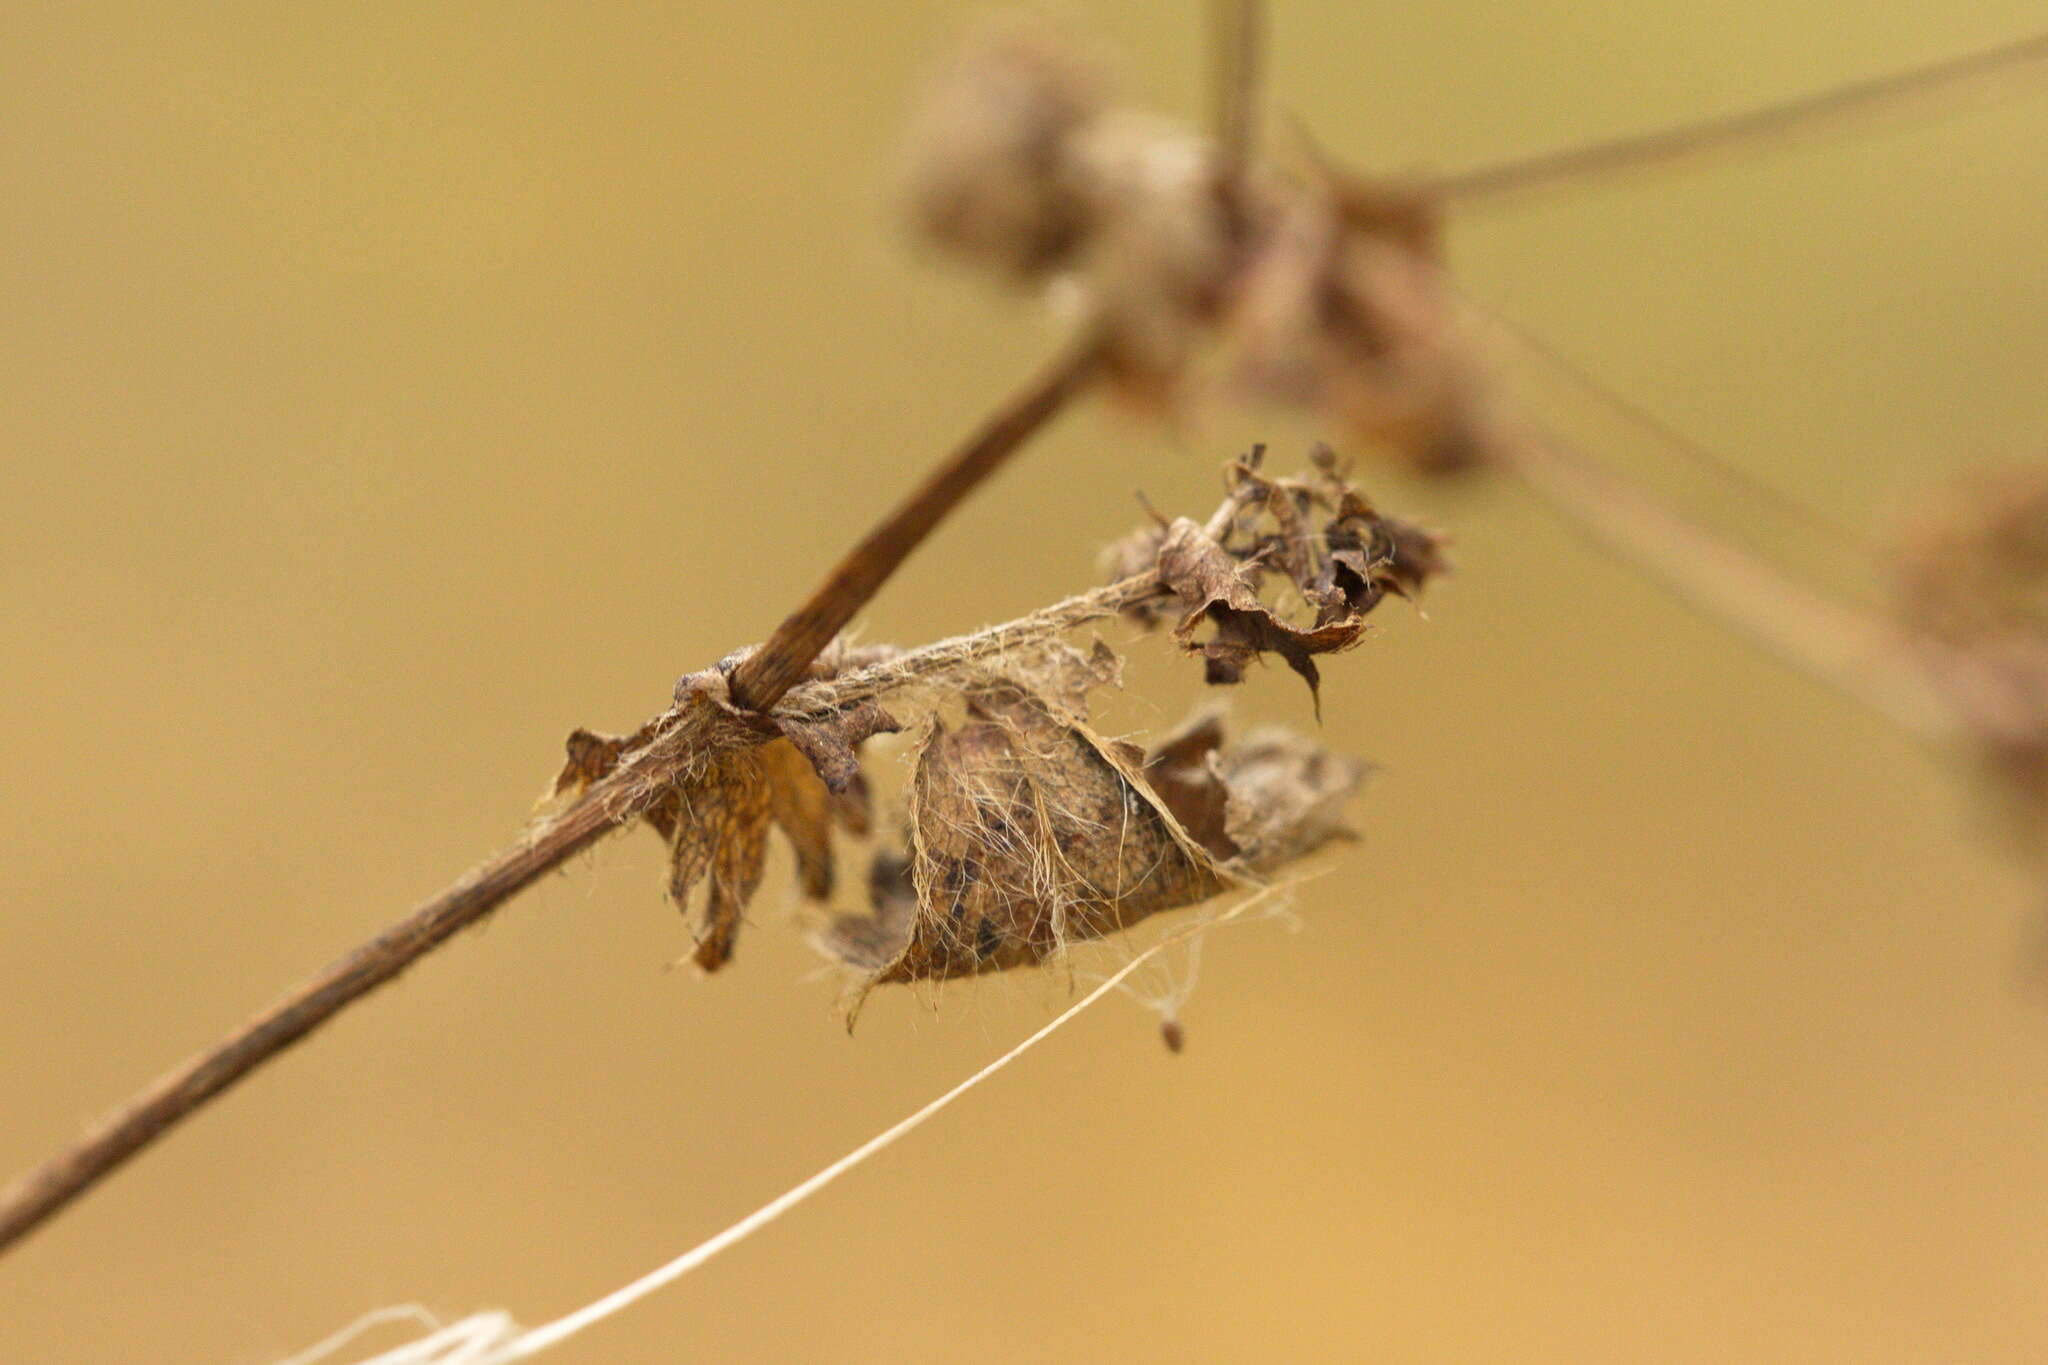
(1028, 831)
(1319, 536)
(803, 779)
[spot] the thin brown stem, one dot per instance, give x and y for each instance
(1856, 653)
(1644, 151)
(1237, 42)
(180, 1091)
(762, 680)
(1662, 435)
(778, 665)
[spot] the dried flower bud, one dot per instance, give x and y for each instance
(1325, 295)
(1160, 249)
(1346, 317)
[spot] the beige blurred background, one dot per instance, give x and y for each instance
(387, 389)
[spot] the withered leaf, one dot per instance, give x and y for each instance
(802, 780)
(1028, 832)
(1215, 587)
(722, 831)
(1319, 535)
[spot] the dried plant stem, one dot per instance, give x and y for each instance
(1649, 150)
(1697, 453)
(762, 680)
(773, 669)
(1239, 30)
(1853, 651)
(185, 1088)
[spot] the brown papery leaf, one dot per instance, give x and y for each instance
(716, 821)
(1320, 537)
(1028, 832)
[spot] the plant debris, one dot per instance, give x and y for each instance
(803, 780)
(1028, 831)
(1024, 829)
(1339, 569)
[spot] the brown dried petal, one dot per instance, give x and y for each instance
(1180, 770)
(801, 806)
(1286, 795)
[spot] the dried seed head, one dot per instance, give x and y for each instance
(1159, 251)
(990, 163)
(1973, 593)
(1974, 563)
(1346, 316)
(1323, 293)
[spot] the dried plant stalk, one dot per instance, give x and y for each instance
(685, 745)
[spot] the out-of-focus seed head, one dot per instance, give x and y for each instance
(1972, 573)
(990, 174)
(1322, 293)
